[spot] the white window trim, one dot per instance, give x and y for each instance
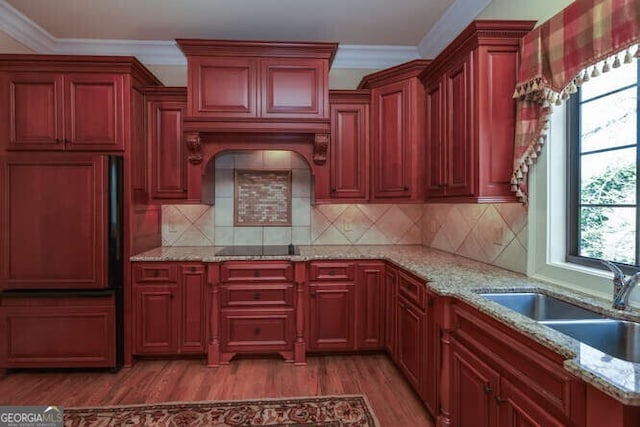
(547, 222)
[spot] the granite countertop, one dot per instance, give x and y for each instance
(463, 278)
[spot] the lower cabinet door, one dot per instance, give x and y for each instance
(474, 389)
(410, 342)
(516, 409)
(332, 316)
(257, 331)
(157, 320)
(57, 332)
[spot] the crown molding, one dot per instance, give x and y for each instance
(451, 23)
(21, 28)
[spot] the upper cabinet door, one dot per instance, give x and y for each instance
(223, 87)
(294, 88)
(460, 134)
(436, 142)
(34, 111)
(349, 151)
(54, 222)
(391, 141)
(168, 163)
(94, 112)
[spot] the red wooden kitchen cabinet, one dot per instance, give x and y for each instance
(50, 111)
(332, 316)
(169, 304)
(397, 104)
(231, 80)
(166, 107)
(331, 302)
(370, 306)
(255, 303)
(349, 150)
(500, 378)
(473, 385)
(55, 213)
(69, 103)
(410, 342)
(470, 113)
(417, 350)
(58, 332)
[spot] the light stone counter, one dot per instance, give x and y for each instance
(463, 278)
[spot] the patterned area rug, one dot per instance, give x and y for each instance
(324, 411)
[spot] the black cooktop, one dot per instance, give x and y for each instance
(264, 250)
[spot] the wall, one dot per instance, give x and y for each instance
(341, 224)
(523, 9)
(10, 45)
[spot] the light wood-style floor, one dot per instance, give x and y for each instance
(150, 381)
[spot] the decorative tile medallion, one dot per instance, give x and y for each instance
(262, 198)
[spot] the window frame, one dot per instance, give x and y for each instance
(573, 155)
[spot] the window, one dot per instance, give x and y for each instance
(603, 191)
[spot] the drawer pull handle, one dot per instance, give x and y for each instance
(256, 331)
(332, 272)
(500, 400)
(193, 268)
(487, 389)
(256, 296)
(256, 273)
(156, 273)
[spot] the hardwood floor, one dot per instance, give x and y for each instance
(149, 381)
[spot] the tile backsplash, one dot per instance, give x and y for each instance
(492, 233)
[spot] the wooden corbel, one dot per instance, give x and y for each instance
(194, 148)
(320, 148)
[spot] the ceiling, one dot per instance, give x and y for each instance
(372, 30)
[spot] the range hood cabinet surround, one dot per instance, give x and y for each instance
(202, 148)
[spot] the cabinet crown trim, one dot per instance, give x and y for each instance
(235, 48)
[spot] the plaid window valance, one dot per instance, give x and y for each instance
(585, 39)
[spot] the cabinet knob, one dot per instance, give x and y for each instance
(193, 268)
(487, 389)
(256, 296)
(58, 140)
(256, 331)
(313, 294)
(171, 295)
(256, 273)
(500, 400)
(156, 273)
(405, 188)
(333, 189)
(332, 272)
(184, 190)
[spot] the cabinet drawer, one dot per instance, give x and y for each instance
(332, 271)
(263, 271)
(412, 289)
(155, 272)
(257, 295)
(257, 330)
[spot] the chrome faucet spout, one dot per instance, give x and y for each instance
(622, 285)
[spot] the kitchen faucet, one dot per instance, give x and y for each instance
(622, 285)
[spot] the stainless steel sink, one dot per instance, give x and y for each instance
(540, 306)
(618, 338)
